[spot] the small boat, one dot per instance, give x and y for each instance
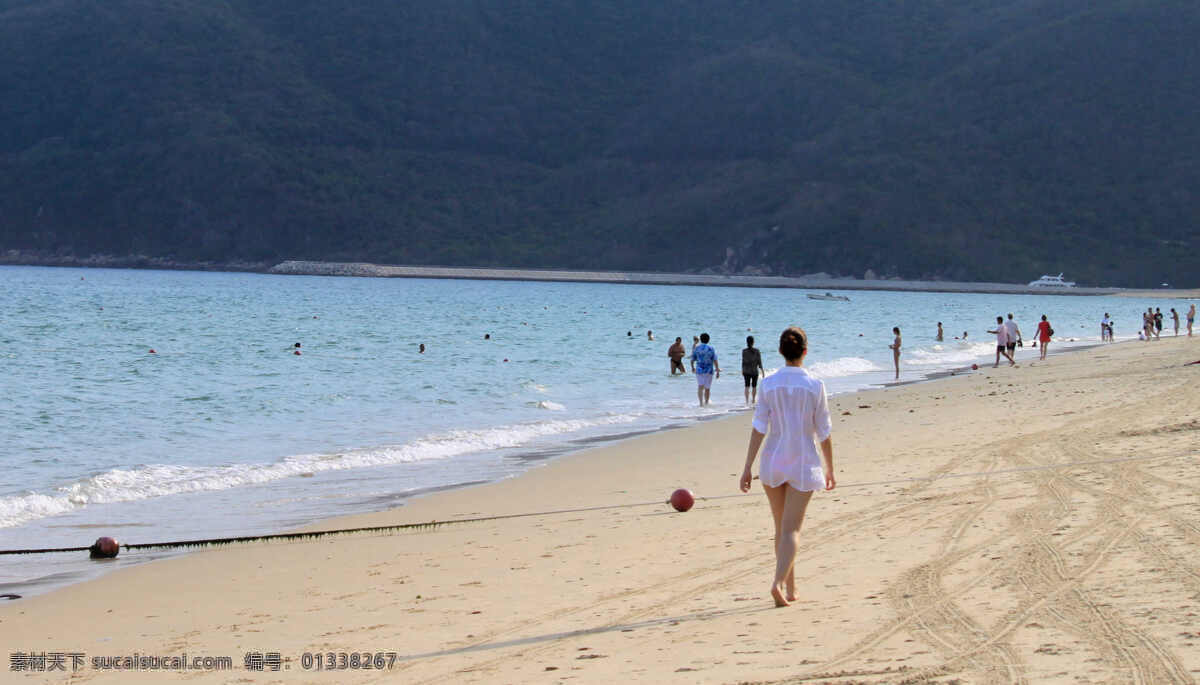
(1048, 281)
(828, 296)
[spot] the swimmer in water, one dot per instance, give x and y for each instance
(422, 349)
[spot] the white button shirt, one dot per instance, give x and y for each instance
(793, 413)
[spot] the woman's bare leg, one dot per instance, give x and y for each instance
(778, 498)
(787, 508)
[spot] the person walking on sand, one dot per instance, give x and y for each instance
(1191, 318)
(1175, 320)
(751, 365)
(895, 348)
(1001, 342)
(1158, 318)
(939, 334)
(793, 417)
(1104, 328)
(1014, 336)
(704, 362)
(1044, 331)
(676, 352)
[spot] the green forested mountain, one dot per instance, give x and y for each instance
(964, 139)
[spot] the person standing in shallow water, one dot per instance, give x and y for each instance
(704, 361)
(751, 365)
(939, 337)
(895, 348)
(794, 418)
(676, 352)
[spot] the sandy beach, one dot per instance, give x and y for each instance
(1031, 524)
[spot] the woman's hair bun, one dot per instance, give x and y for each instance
(793, 343)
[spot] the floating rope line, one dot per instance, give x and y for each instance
(431, 525)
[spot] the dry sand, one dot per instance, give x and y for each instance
(1036, 524)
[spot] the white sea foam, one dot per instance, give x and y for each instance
(843, 366)
(158, 480)
(947, 353)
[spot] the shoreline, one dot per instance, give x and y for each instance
(549, 275)
(52, 583)
(811, 282)
(1005, 506)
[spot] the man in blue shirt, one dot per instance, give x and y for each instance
(704, 361)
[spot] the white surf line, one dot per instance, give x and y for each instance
(435, 523)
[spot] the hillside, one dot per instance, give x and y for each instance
(971, 140)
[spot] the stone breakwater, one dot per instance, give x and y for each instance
(813, 282)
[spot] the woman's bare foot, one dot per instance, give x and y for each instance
(777, 593)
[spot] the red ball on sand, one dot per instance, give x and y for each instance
(682, 499)
(974, 367)
(105, 548)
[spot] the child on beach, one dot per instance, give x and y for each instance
(795, 414)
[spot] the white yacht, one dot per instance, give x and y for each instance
(1048, 281)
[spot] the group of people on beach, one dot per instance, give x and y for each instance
(1009, 338)
(705, 366)
(1152, 322)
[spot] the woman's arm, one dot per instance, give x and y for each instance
(827, 462)
(756, 439)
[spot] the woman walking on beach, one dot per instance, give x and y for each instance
(1044, 332)
(794, 413)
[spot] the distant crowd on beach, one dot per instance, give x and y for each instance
(703, 361)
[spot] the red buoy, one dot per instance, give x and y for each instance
(682, 499)
(297, 353)
(104, 548)
(152, 351)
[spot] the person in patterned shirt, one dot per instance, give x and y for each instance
(704, 360)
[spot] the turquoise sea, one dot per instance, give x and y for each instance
(223, 430)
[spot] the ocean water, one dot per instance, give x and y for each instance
(224, 431)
